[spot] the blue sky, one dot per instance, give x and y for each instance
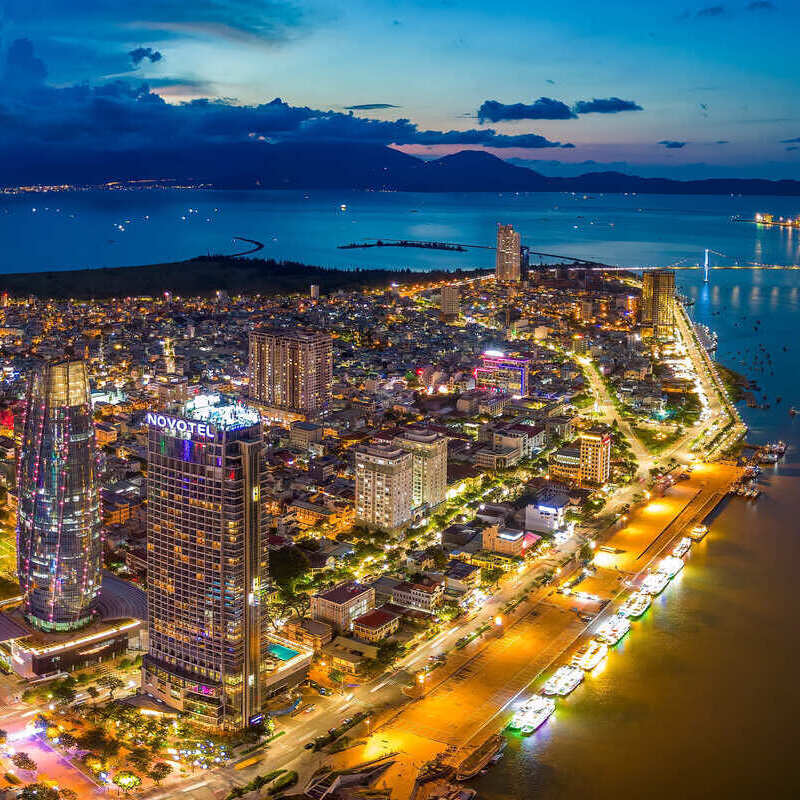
(685, 89)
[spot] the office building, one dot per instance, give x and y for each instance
(428, 465)
(595, 457)
(498, 371)
(658, 302)
(508, 262)
(291, 369)
(384, 495)
(207, 563)
(59, 544)
(340, 605)
(450, 303)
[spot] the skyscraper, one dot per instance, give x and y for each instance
(59, 543)
(508, 263)
(428, 465)
(207, 562)
(595, 457)
(383, 486)
(450, 303)
(291, 369)
(658, 302)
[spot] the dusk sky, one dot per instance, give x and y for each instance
(662, 87)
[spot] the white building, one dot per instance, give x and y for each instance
(384, 494)
(428, 466)
(547, 514)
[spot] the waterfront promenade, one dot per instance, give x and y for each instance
(470, 698)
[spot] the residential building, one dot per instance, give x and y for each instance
(424, 594)
(384, 495)
(291, 369)
(207, 562)
(428, 465)
(658, 302)
(342, 604)
(375, 625)
(565, 464)
(506, 541)
(450, 303)
(595, 457)
(498, 371)
(547, 514)
(508, 262)
(310, 632)
(303, 434)
(59, 545)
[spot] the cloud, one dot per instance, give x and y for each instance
(605, 105)
(671, 144)
(370, 107)
(139, 54)
(711, 11)
(543, 108)
(761, 5)
(790, 141)
(125, 116)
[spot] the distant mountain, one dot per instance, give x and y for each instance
(342, 165)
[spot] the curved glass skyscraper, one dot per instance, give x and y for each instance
(59, 545)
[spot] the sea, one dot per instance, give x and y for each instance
(702, 699)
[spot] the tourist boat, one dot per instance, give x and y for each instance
(479, 758)
(778, 448)
(590, 655)
(670, 566)
(636, 605)
(612, 630)
(682, 548)
(533, 714)
(563, 681)
(698, 532)
(768, 458)
(655, 583)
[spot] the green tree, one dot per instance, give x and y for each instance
(38, 791)
(67, 794)
(67, 740)
(139, 758)
(64, 694)
(23, 761)
(286, 566)
(92, 692)
(112, 683)
(159, 771)
(127, 781)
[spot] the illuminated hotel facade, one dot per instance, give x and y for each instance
(595, 457)
(291, 369)
(498, 371)
(207, 562)
(658, 302)
(59, 541)
(508, 261)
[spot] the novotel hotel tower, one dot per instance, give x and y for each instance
(207, 562)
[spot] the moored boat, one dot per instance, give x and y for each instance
(636, 605)
(682, 548)
(563, 681)
(655, 583)
(613, 629)
(670, 566)
(590, 655)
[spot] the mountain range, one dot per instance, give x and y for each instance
(341, 165)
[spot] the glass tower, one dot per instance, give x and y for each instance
(207, 562)
(59, 542)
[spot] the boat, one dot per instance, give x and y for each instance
(655, 583)
(670, 566)
(563, 681)
(532, 714)
(698, 532)
(682, 548)
(479, 757)
(768, 458)
(590, 655)
(636, 605)
(613, 629)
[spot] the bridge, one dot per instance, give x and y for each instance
(681, 264)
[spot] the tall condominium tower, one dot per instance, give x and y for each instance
(450, 303)
(291, 369)
(658, 302)
(428, 465)
(207, 562)
(383, 486)
(59, 544)
(508, 264)
(595, 457)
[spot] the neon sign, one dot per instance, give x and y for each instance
(173, 424)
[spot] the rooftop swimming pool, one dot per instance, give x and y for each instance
(280, 652)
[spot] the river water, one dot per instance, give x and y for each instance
(701, 700)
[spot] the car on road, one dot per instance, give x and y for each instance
(308, 746)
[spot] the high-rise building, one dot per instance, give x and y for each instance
(508, 263)
(383, 486)
(658, 302)
(498, 371)
(315, 291)
(207, 562)
(450, 303)
(595, 457)
(59, 542)
(428, 465)
(291, 369)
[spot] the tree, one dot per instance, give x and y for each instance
(67, 740)
(23, 761)
(67, 794)
(64, 694)
(389, 651)
(286, 566)
(159, 771)
(140, 758)
(127, 781)
(491, 575)
(92, 692)
(38, 791)
(112, 683)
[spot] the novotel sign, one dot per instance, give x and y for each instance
(177, 425)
